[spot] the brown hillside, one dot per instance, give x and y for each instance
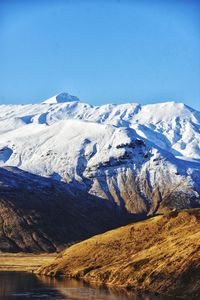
(161, 255)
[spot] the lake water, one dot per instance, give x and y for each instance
(23, 286)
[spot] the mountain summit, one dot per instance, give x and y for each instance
(61, 98)
(143, 158)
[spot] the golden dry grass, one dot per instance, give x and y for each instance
(161, 254)
(24, 262)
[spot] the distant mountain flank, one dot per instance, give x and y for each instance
(143, 158)
(39, 214)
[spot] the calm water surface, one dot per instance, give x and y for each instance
(23, 286)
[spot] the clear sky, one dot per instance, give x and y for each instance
(141, 51)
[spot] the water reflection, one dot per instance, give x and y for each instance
(23, 286)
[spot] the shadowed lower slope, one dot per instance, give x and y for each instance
(38, 214)
(161, 254)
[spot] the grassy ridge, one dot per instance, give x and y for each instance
(161, 255)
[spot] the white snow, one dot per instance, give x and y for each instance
(172, 126)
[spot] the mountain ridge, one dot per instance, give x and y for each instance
(135, 155)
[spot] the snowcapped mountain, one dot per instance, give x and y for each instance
(141, 157)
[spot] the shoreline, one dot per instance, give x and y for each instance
(117, 287)
(26, 262)
(23, 262)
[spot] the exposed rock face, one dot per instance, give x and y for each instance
(40, 215)
(161, 255)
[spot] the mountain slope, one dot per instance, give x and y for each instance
(41, 215)
(161, 255)
(143, 158)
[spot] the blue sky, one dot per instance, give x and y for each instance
(101, 51)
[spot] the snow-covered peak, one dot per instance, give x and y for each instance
(61, 98)
(171, 126)
(112, 151)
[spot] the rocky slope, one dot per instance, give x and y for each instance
(143, 158)
(161, 254)
(41, 215)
